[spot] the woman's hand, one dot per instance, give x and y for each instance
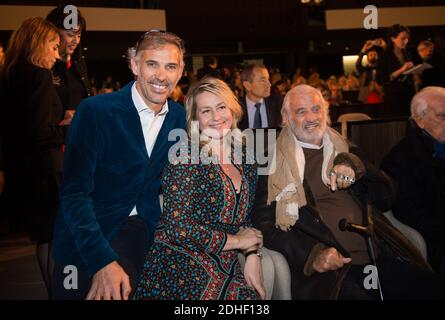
(246, 238)
(249, 238)
(253, 273)
(408, 65)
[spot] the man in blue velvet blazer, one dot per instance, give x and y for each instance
(116, 149)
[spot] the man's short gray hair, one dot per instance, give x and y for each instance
(303, 89)
(419, 104)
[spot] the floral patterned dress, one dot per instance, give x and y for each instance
(186, 260)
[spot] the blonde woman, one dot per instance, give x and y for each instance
(32, 132)
(205, 222)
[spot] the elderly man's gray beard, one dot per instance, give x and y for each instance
(313, 136)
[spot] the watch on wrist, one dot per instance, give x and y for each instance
(257, 252)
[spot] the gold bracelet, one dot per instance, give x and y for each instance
(258, 252)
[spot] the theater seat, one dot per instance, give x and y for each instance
(276, 274)
(281, 287)
(413, 235)
(344, 118)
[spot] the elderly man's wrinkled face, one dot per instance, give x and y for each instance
(307, 117)
(434, 121)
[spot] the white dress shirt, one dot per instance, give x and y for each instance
(151, 123)
(251, 113)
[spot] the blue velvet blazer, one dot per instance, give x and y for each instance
(107, 171)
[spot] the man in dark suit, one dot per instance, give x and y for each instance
(117, 146)
(261, 109)
(417, 164)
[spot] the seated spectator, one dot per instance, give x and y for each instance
(436, 75)
(206, 217)
(236, 85)
(425, 52)
(288, 83)
(314, 79)
(336, 95)
(93, 83)
(106, 88)
(326, 93)
(353, 82)
(210, 68)
(318, 183)
(177, 95)
(298, 77)
(261, 109)
(225, 74)
(275, 75)
(332, 81)
(342, 82)
(425, 49)
(417, 163)
(280, 88)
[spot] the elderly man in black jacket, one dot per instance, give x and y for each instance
(417, 164)
(317, 184)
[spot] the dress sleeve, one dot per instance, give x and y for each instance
(182, 219)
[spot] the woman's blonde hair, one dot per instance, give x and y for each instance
(220, 89)
(28, 42)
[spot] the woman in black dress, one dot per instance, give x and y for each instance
(31, 132)
(398, 88)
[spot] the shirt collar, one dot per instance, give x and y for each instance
(251, 104)
(141, 105)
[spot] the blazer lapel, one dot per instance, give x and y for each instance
(270, 115)
(162, 139)
(244, 122)
(131, 119)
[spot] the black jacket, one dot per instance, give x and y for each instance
(273, 110)
(398, 91)
(32, 146)
(420, 176)
(310, 234)
(74, 84)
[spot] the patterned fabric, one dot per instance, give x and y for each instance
(186, 260)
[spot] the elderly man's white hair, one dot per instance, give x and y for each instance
(302, 89)
(419, 104)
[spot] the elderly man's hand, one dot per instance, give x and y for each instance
(328, 260)
(342, 177)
